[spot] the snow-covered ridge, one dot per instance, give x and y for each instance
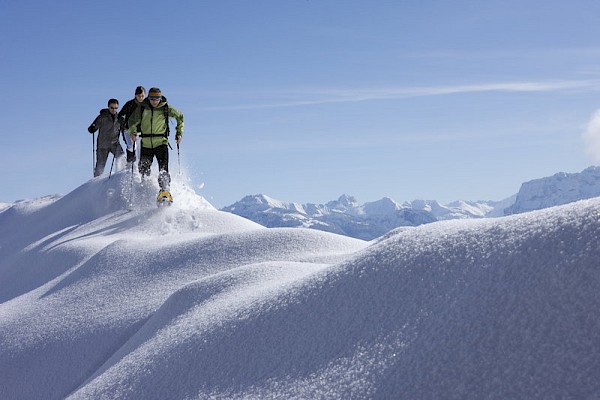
(191, 302)
(370, 220)
(4, 206)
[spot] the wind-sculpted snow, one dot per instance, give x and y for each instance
(218, 307)
(74, 288)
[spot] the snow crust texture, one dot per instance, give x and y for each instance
(193, 303)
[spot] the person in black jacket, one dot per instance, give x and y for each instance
(108, 127)
(124, 114)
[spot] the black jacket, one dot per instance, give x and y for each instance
(108, 128)
(126, 112)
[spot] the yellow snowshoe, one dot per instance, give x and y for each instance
(164, 198)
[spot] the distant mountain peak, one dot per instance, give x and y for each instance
(344, 201)
(384, 206)
(558, 189)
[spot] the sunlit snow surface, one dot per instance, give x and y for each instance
(102, 299)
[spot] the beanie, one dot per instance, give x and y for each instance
(154, 93)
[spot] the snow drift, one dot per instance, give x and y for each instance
(190, 302)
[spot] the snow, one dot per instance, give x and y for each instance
(4, 206)
(382, 207)
(366, 221)
(372, 219)
(100, 301)
(561, 188)
(343, 216)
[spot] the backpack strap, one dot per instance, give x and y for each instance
(139, 126)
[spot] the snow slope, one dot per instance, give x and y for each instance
(81, 275)
(190, 302)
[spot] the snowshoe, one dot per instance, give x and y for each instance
(164, 198)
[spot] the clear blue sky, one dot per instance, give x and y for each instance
(306, 100)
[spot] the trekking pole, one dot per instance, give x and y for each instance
(178, 159)
(111, 166)
(131, 189)
(93, 154)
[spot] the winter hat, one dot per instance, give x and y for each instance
(154, 93)
(140, 90)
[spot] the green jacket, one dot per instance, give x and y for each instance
(149, 120)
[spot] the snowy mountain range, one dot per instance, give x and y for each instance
(368, 221)
(101, 300)
(346, 216)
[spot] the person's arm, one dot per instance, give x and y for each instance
(178, 115)
(125, 113)
(94, 126)
(133, 122)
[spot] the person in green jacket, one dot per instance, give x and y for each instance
(151, 120)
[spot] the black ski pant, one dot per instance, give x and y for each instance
(162, 156)
(102, 156)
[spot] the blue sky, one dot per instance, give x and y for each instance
(306, 100)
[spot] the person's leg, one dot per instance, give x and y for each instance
(128, 141)
(101, 156)
(119, 155)
(162, 156)
(117, 150)
(130, 152)
(146, 157)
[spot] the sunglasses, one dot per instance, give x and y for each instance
(153, 98)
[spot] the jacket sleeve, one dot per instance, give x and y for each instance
(178, 115)
(122, 113)
(94, 126)
(126, 112)
(134, 119)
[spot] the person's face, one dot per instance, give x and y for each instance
(140, 97)
(113, 108)
(154, 101)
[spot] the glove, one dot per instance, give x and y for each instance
(177, 139)
(92, 128)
